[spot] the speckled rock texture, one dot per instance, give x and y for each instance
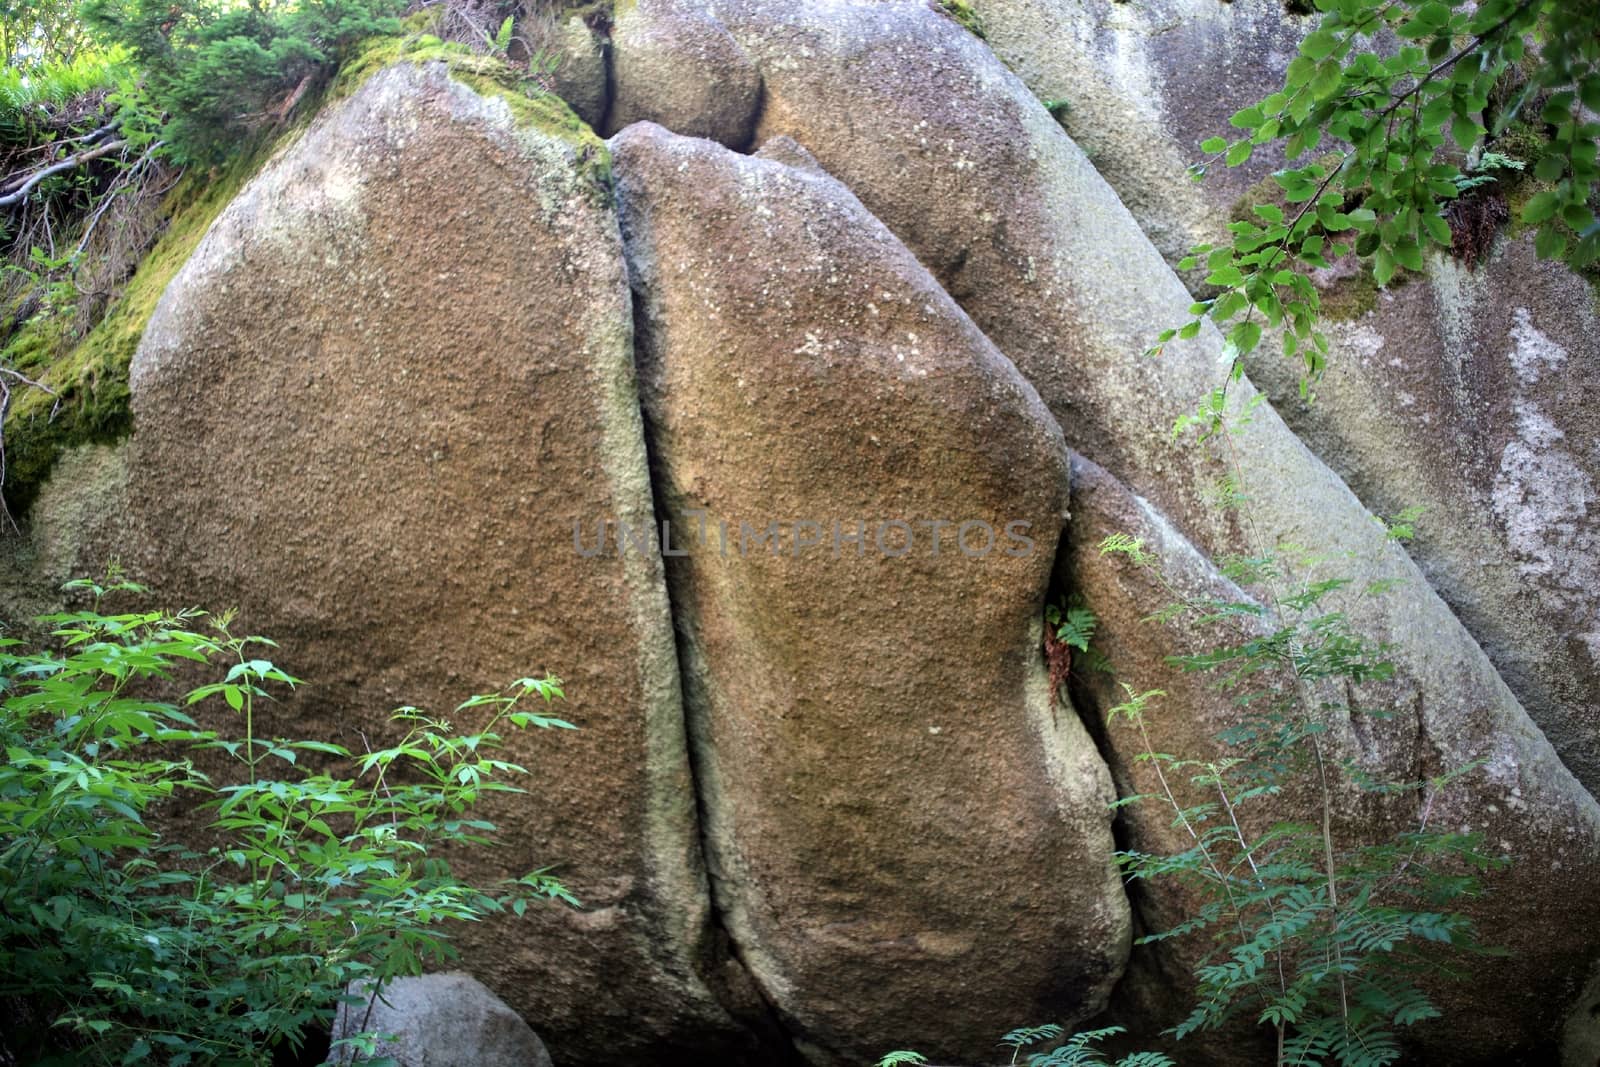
(580, 74)
(689, 68)
(371, 410)
(992, 195)
(1139, 85)
(891, 798)
(1470, 393)
(818, 807)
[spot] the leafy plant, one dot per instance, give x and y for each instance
(40, 31)
(1074, 625)
(901, 1059)
(1077, 1051)
(213, 71)
(1482, 173)
(1392, 124)
(51, 278)
(1321, 939)
(1069, 631)
(117, 945)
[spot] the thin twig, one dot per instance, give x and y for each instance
(105, 202)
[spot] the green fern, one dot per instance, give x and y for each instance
(902, 1059)
(1319, 939)
(1077, 628)
(29, 95)
(502, 40)
(1080, 1051)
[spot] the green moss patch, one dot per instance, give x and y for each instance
(531, 106)
(1352, 297)
(963, 12)
(90, 376)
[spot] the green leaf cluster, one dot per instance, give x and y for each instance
(1399, 97)
(212, 71)
(326, 867)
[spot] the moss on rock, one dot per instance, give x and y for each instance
(1353, 296)
(531, 106)
(963, 12)
(89, 377)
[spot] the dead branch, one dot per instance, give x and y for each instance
(133, 176)
(294, 98)
(70, 163)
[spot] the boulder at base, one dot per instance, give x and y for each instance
(437, 1019)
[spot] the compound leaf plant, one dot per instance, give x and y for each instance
(118, 945)
(1328, 937)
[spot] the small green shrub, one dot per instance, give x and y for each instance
(1078, 1050)
(1324, 940)
(119, 946)
(213, 71)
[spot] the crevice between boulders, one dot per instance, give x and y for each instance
(1079, 700)
(718, 951)
(602, 33)
(768, 1023)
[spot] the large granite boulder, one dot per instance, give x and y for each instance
(389, 404)
(1457, 390)
(372, 410)
(908, 842)
(968, 168)
(689, 68)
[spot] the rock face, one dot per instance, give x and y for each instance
(438, 1019)
(973, 174)
(1137, 86)
(689, 68)
(355, 424)
(580, 74)
(873, 727)
(1466, 392)
(1456, 392)
(389, 410)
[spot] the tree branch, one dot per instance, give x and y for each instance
(70, 163)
